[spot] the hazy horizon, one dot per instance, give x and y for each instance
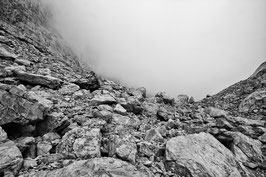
(178, 46)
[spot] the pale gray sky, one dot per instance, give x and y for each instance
(193, 47)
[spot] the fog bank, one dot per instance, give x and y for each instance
(193, 47)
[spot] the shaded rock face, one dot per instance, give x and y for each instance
(17, 108)
(58, 118)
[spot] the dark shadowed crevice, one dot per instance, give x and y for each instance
(12, 130)
(228, 142)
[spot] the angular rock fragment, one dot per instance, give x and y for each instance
(215, 112)
(181, 100)
(162, 97)
(6, 54)
(69, 89)
(81, 143)
(36, 79)
(202, 155)
(102, 99)
(120, 110)
(17, 109)
(10, 157)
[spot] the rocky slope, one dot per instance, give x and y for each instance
(59, 119)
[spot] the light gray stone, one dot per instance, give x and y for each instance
(202, 155)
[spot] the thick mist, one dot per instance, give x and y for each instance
(193, 47)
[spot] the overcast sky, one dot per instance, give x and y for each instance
(193, 47)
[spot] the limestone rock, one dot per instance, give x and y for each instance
(69, 89)
(36, 79)
(102, 99)
(15, 108)
(120, 110)
(43, 148)
(163, 97)
(201, 155)
(262, 138)
(215, 112)
(3, 135)
(95, 167)
(23, 62)
(81, 142)
(10, 157)
(6, 54)
(181, 100)
(29, 163)
(133, 105)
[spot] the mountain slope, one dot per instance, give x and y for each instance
(58, 118)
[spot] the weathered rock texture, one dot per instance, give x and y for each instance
(58, 118)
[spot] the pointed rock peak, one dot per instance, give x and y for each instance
(259, 69)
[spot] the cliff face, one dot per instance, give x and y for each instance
(59, 119)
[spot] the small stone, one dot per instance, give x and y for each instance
(78, 94)
(29, 163)
(153, 135)
(52, 137)
(103, 99)
(43, 148)
(120, 110)
(3, 135)
(215, 112)
(69, 89)
(44, 71)
(262, 138)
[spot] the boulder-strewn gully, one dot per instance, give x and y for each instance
(60, 119)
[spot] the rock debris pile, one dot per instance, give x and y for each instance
(58, 118)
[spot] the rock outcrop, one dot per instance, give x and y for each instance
(58, 118)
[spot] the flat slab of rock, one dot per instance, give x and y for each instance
(36, 79)
(10, 157)
(201, 155)
(94, 168)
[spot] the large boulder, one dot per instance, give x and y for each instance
(17, 108)
(10, 157)
(246, 150)
(201, 155)
(97, 167)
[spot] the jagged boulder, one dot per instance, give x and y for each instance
(16, 107)
(246, 150)
(10, 157)
(81, 143)
(201, 155)
(95, 168)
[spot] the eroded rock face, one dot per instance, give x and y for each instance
(95, 168)
(81, 143)
(202, 155)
